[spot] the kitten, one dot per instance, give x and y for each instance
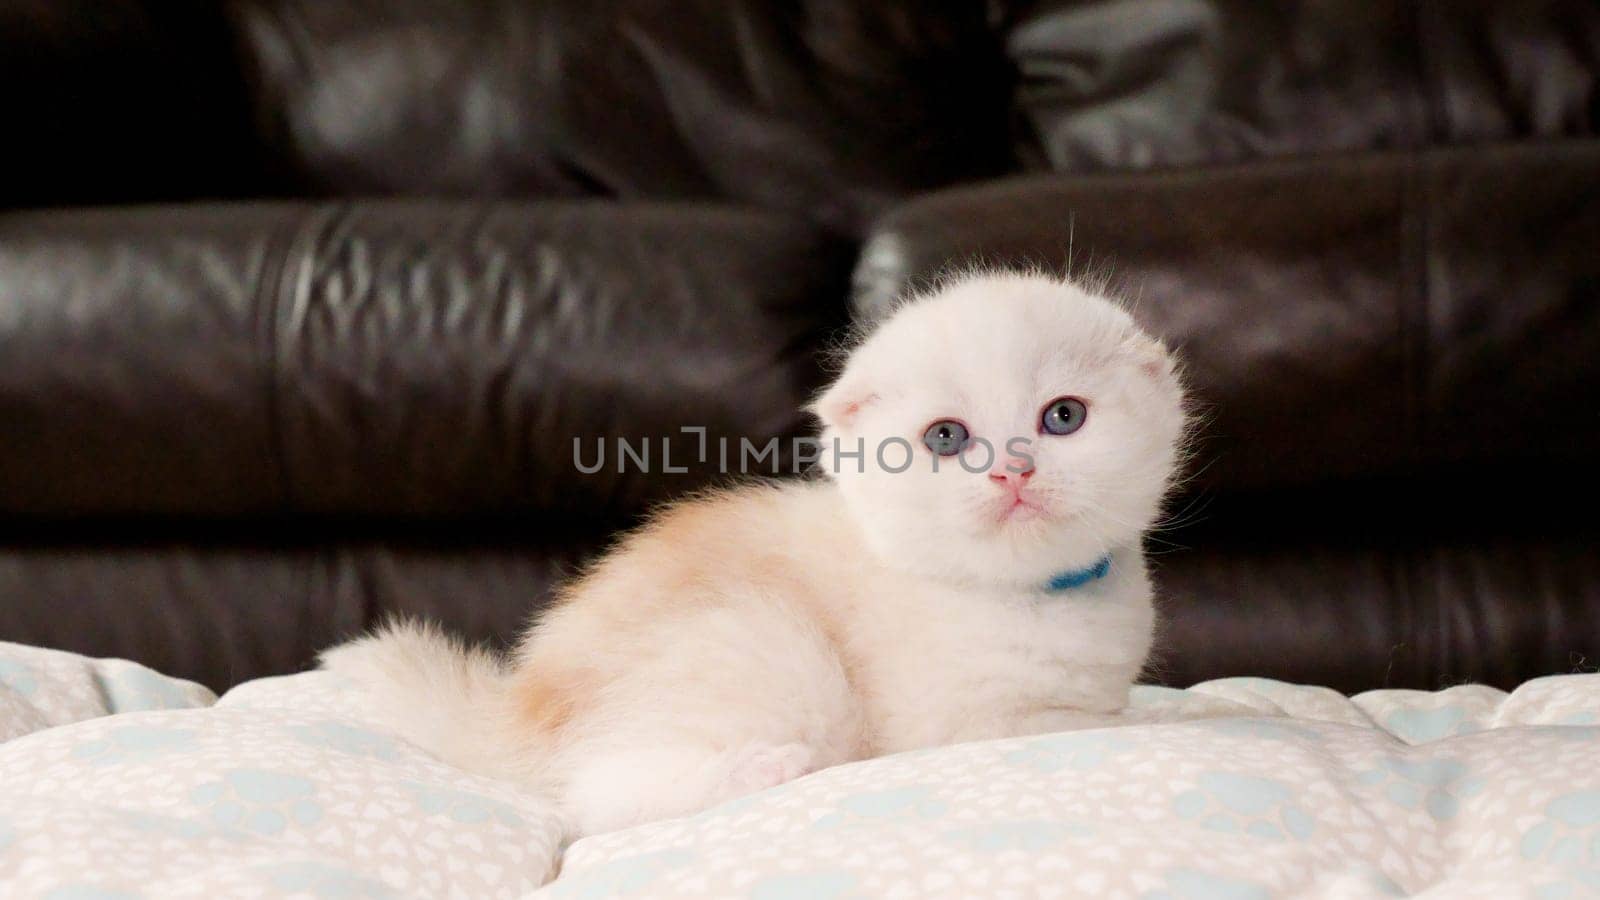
(746, 637)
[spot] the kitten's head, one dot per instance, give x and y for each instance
(1083, 411)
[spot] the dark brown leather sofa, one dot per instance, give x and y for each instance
(303, 302)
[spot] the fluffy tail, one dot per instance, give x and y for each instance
(431, 689)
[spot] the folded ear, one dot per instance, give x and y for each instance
(840, 405)
(1151, 356)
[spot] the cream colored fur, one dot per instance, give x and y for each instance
(746, 637)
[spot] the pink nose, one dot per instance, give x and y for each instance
(1003, 475)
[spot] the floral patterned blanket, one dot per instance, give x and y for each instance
(116, 782)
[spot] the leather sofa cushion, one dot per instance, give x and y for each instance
(407, 359)
(1107, 85)
(824, 109)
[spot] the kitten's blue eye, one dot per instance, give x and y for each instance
(1064, 415)
(946, 437)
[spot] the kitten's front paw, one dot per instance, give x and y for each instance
(756, 767)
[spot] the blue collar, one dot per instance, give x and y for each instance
(1077, 578)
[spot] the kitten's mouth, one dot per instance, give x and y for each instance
(1018, 508)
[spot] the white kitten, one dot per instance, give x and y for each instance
(746, 637)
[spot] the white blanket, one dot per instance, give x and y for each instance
(116, 782)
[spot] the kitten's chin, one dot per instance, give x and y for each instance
(1016, 512)
(1031, 551)
(1020, 553)
(1002, 543)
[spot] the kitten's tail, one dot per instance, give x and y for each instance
(433, 690)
